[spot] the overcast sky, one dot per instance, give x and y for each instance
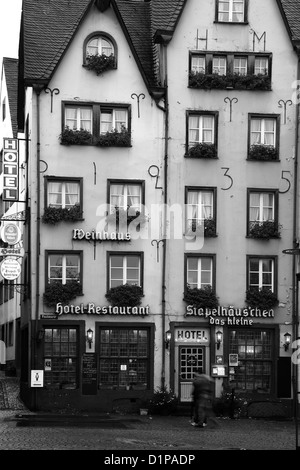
(10, 15)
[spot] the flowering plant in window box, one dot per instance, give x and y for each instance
(264, 298)
(229, 81)
(265, 230)
(126, 216)
(115, 138)
(125, 295)
(53, 215)
(202, 150)
(57, 292)
(263, 152)
(75, 137)
(163, 401)
(201, 298)
(100, 63)
(209, 229)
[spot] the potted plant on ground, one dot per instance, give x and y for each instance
(163, 401)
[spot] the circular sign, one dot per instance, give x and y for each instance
(10, 269)
(11, 233)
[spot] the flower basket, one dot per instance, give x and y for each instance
(163, 402)
(126, 295)
(100, 63)
(75, 137)
(56, 292)
(263, 152)
(264, 299)
(202, 150)
(264, 230)
(230, 81)
(201, 298)
(53, 215)
(124, 217)
(115, 138)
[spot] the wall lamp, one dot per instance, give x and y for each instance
(168, 338)
(287, 341)
(89, 337)
(40, 335)
(219, 337)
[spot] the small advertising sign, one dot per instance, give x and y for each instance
(10, 268)
(10, 169)
(37, 378)
(11, 233)
(233, 360)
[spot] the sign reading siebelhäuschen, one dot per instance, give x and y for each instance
(92, 309)
(10, 170)
(229, 315)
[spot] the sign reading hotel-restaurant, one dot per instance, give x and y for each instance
(10, 167)
(93, 309)
(229, 315)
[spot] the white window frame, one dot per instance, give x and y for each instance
(64, 267)
(238, 68)
(258, 67)
(261, 206)
(63, 193)
(200, 271)
(113, 123)
(78, 119)
(198, 64)
(200, 218)
(261, 272)
(263, 132)
(217, 67)
(125, 205)
(100, 46)
(201, 129)
(231, 11)
(124, 269)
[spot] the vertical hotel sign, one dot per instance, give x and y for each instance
(10, 170)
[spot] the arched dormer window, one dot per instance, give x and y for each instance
(100, 52)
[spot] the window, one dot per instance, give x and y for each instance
(233, 70)
(261, 273)
(254, 349)
(99, 45)
(9, 290)
(124, 358)
(11, 333)
(124, 194)
(262, 211)
(3, 109)
(61, 361)
(263, 137)
(199, 271)
(231, 11)
(87, 124)
(202, 129)
(1, 292)
(200, 207)
(64, 266)
(125, 269)
(63, 192)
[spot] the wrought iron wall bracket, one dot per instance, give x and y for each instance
(141, 95)
(230, 101)
(55, 91)
(282, 103)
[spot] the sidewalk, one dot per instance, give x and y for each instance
(21, 429)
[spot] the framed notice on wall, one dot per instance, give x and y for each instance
(233, 360)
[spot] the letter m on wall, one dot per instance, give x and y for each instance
(260, 41)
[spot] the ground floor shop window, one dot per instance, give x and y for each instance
(124, 358)
(61, 358)
(255, 365)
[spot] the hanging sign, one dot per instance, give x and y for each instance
(10, 170)
(11, 233)
(12, 251)
(10, 268)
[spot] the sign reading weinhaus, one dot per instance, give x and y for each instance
(229, 315)
(92, 309)
(80, 234)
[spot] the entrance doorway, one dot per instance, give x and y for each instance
(190, 359)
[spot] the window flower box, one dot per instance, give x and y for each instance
(75, 137)
(56, 292)
(126, 295)
(53, 215)
(197, 228)
(125, 216)
(234, 81)
(264, 230)
(100, 63)
(263, 152)
(264, 298)
(202, 150)
(115, 138)
(201, 298)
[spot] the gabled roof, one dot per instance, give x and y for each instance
(290, 10)
(10, 68)
(48, 27)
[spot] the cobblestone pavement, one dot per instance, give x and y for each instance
(133, 432)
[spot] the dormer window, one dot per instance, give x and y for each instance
(99, 45)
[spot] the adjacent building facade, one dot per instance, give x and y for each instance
(162, 147)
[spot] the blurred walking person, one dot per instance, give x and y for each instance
(202, 400)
